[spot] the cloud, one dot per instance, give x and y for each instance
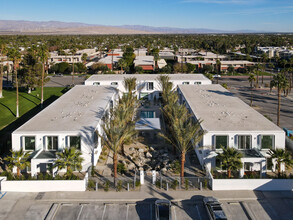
(267, 10)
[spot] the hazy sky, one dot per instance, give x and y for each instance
(259, 15)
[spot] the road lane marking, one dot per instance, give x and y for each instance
(104, 212)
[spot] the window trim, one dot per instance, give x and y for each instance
(238, 141)
(46, 141)
(23, 142)
(148, 86)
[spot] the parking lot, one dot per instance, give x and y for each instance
(279, 208)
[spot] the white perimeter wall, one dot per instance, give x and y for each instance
(42, 185)
(253, 184)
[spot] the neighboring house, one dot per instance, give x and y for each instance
(109, 61)
(145, 62)
(71, 121)
(229, 122)
(55, 58)
(148, 85)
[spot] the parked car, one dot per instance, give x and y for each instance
(214, 209)
(58, 75)
(163, 209)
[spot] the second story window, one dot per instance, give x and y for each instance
(74, 141)
(96, 83)
(114, 83)
(29, 143)
(197, 83)
(52, 142)
(185, 83)
(150, 86)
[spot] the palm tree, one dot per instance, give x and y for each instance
(3, 52)
(43, 54)
(183, 132)
(73, 51)
(230, 159)
(70, 159)
(122, 64)
(281, 156)
(166, 87)
(14, 55)
(18, 159)
(282, 84)
(251, 80)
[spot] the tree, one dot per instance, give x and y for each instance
(18, 159)
(70, 159)
(230, 159)
(3, 51)
(122, 64)
(84, 57)
(281, 83)
(43, 54)
(231, 69)
(180, 68)
(73, 52)
(156, 56)
(14, 55)
(281, 156)
(251, 80)
(138, 70)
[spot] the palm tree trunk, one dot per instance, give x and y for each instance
(1, 80)
(115, 161)
(17, 102)
(18, 172)
(42, 92)
(72, 72)
(279, 169)
(251, 98)
(257, 77)
(182, 167)
(279, 107)
(229, 173)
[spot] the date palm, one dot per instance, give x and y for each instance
(230, 159)
(281, 156)
(15, 56)
(18, 159)
(70, 159)
(251, 80)
(281, 83)
(3, 51)
(73, 51)
(43, 54)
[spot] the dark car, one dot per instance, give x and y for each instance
(214, 208)
(163, 209)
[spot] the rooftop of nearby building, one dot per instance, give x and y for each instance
(220, 110)
(145, 77)
(144, 60)
(109, 59)
(77, 110)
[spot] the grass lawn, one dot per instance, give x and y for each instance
(26, 102)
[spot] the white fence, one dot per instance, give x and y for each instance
(42, 185)
(253, 184)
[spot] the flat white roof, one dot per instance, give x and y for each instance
(108, 59)
(79, 109)
(145, 77)
(220, 110)
(144, 60)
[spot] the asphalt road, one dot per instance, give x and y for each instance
(264, 101)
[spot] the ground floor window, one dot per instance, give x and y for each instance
(244, 142)
(267, 141)
(52, 142)
(74, 141)
(29, 143)
(221, 141)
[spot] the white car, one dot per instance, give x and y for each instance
(214, 209)
(163, 209)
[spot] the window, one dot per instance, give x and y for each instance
(114, 83)
(150, 86)
(244, 142)
(52, 143)
(197, 83)
(74, 141)
(29, 143)
(185, 83)
(96, 83)
(221, 141)
(267, 141)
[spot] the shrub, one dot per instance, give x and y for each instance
(137, 183)
(175, 166)
(158, 183)
(91, 184)
(107, 186)
(121, 168)
(174, 184)
(93, 171)
(186, 183)
(119, 186)
(205, 183)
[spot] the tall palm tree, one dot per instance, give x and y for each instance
(122, 64)
(3, 51)
(184, 132)
(43, 54)
(281, 83)
(73, 52)
(166, 87)
(281, 156)
(18, 159)
(14, 55)
(251, 80)
(230, 159)
(70, 159)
